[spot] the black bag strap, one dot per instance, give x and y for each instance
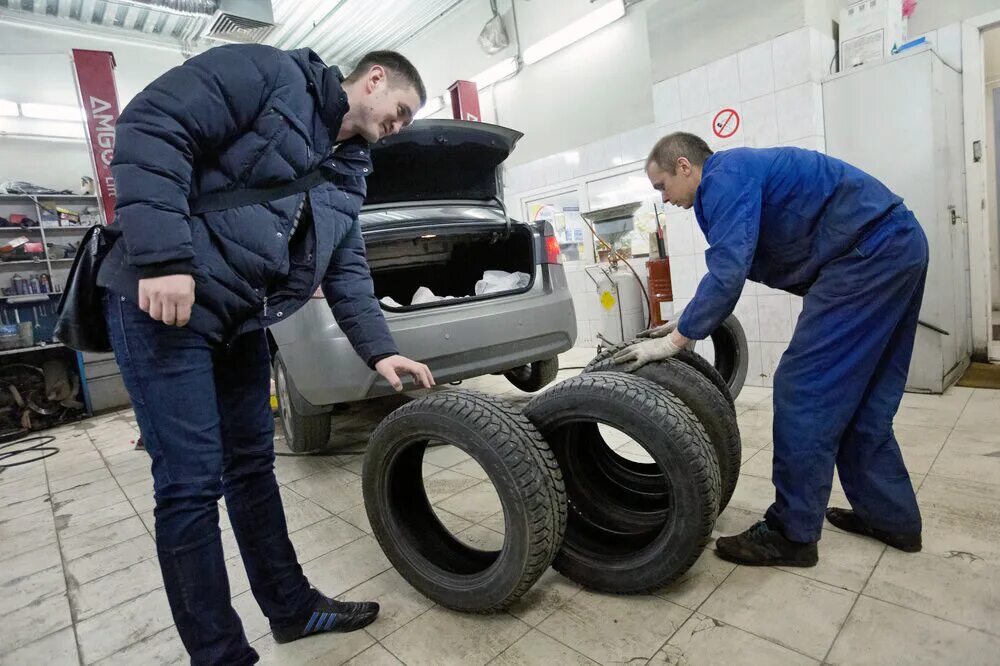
(215, 201)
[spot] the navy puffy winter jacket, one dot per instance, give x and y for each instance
(237, 117)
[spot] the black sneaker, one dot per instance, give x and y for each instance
(329, 615)
(848, 521)
(762, 546)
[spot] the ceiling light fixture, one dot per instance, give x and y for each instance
(52, 112)
(501, 70)
(8, 108)
(575, 31)
(433, 105)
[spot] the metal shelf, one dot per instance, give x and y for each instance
(21, 262)
(29, 298)
(51, 345)
(32, 198)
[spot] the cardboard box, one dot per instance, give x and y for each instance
(869, 30)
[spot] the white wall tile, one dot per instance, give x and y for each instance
(724, 82)
(663, 130)
(753, 365)
(667, 102)
(611, 150)
(746, 312)
(683, 276)
(694, 92)
(700, 266)
(749, 289)
(562, 168)
(795, 309)
(591, 158)
(679, 235)
(770, 357)
(949, 45)
(637, 143)
(760, 122)
(800, 111)
(824, 50)
(700, 241)
(774, 317)
(699, 125)
(680, 304)
(791, 57)
(756, 71)
(817, 143)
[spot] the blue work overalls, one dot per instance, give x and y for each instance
(812, 225)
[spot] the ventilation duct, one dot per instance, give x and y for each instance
(244, 21)
(184, 7)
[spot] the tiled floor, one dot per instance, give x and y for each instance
(79, 581)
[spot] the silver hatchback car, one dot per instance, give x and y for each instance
(434, 224)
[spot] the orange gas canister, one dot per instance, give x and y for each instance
(660, 289)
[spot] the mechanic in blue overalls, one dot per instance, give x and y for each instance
(811, 225)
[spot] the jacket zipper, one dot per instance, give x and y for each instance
(265, 306)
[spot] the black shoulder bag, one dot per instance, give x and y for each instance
(80, 324)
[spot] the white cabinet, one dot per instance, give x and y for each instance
(901, 121)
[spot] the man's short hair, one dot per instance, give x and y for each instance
(674, 146)
(397, 65)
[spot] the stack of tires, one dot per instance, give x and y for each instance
(569, 500)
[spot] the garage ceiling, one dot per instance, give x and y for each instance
(341, 31)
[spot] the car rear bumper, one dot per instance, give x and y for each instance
(458, 341)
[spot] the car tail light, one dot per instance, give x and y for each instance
(553, 253)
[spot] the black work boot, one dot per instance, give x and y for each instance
(849, 521)
(762, 546)
(328, 615)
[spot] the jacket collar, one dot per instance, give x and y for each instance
(325, 84)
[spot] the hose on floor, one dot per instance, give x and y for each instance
(39, 450)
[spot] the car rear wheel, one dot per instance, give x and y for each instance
(303, 432)
(534, 376)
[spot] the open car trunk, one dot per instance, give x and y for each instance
(448, 262)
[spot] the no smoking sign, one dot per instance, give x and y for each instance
(726, 123)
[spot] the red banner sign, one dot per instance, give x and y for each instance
(95, 79)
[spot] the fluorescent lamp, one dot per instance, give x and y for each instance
(433, 105)
(52, 112)
(8, 108)
(575, 31)
(501, 70)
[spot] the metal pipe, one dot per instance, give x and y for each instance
(183, 7)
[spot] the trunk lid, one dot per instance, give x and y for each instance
(440, 160)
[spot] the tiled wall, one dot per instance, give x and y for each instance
(775, 87)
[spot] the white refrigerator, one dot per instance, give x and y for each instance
(901, 121)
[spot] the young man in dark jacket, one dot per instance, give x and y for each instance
(189, 297)
(809, 224)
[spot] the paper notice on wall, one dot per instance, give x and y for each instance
(864, 48)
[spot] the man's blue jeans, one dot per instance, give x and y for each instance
(205, 417)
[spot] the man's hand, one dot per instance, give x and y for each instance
(393, 366)
(659, 331)
(656, 349)
(168, 299)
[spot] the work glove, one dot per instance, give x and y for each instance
(639, 354)
(661, 331)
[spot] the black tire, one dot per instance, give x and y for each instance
(731, 353)
(601, 556)
(534, 376)
(303, 432)
(732, 359)
(709, 407)
(686, 356)
(523, 471)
